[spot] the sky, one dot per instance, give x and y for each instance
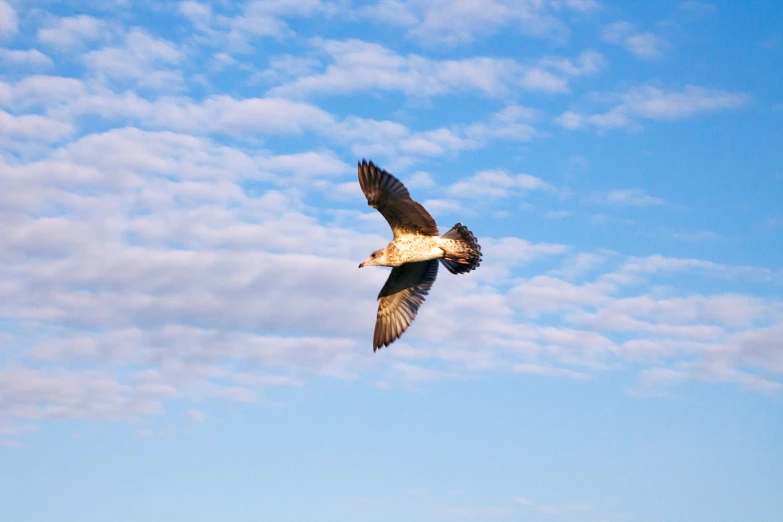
(185, 334)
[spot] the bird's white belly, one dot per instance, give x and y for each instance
(412, 248)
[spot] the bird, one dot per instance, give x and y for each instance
(413, 254)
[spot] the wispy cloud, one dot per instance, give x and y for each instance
(143, 60)
(475, 512)
(655, 378)
(552, 509)
(497, 184)
(8, 19)
(197, 13)
(359, 66)
(75, 394)
(652, 103)
(641, 44)
(471, 18)
(703, 235)
(179, 258)
(657, 104)
(31, 127)
(32, 57)
(69, 100)
(235, 32)
(394, 140)
(161, 247)
(71, 32)
(540, 369)
(696, 8)
(626, 198)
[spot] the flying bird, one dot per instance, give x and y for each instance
(414, 252)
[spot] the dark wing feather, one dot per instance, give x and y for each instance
(401, 297)
(387, 194)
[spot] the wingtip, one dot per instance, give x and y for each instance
(369, 167)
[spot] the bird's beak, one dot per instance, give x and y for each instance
(361, 265)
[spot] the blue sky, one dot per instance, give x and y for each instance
(184, 334)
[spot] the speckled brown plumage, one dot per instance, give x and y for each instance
(414, 252)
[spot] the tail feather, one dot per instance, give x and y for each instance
(462, 253)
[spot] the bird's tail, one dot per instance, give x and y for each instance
(462, 253)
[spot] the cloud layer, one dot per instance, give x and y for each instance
(181, 218)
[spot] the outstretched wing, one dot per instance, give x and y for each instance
(401, 297)
(393, 201)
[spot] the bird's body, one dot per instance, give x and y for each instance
(409, 248)
(414, 253)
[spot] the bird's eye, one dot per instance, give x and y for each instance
(372, 255)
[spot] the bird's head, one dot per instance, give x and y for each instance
(377, 258)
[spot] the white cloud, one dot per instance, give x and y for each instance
(658, 377)
(267, 115)
(196, 416)
(144, 60)
(392, 12)
(497, 184)
(656, 104)
(570, 120)
(357, 65)
(557, 510)
(698, 9)
(32, 127)
(8, 21)
(577, 5)
(551, 509)
(443, 206)
(25, 57)
(627, 198)
(257, 18)
(729, 310)
(182, 260)
(513, 123)
(460, 22)
(251, 24)
(286, 68)
(389, 139)
(306, 165)
(581, 264)
(704, 235)
(157, 262)
(588, 62)
(39, 394)
(641, 44)
(39, 90)
(71, 32)
(420, 180)
(197, 13)
(557, 214)
(68, 100)
(539, 369)
(652, 103)
(511, 252)
(542, 294)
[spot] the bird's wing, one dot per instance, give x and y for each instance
(401, 297)
(387, 194)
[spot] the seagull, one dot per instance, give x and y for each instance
(414, 252)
